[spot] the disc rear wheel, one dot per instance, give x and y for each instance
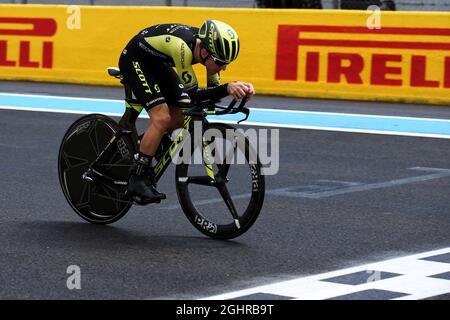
(95, 198)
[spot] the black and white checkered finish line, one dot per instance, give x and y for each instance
(413, 277)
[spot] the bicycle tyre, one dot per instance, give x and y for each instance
(248, 216)
(96, 202)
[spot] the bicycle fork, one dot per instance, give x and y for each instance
(219, 181)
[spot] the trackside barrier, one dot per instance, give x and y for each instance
(390, 56)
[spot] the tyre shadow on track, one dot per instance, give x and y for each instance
(66, 233)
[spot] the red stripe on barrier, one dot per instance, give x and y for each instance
(289, 39)
(39, 27)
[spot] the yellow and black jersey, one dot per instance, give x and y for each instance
(174, 44)
(157, 64)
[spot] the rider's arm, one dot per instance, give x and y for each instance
(211, 93)
(237, 89)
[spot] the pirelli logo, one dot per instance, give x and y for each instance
(406, 57)
(20, 37)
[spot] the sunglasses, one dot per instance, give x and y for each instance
(220, 63)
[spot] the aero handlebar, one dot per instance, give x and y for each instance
(218, 110)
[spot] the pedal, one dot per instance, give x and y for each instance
(137, 200)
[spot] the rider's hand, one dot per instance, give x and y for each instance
(240, 90)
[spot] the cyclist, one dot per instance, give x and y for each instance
(147, 64)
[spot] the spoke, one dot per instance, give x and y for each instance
(229, 202)
(96, 137)
(72, 159)
(89, 192)
(85, 206)
(83, 194)
(115, 200)
(120, 160)
(111, 194)
(113, 188)
(113, 155)
(92, 132)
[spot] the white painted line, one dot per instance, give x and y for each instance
(57, 97)
(350, 114)
(249, 123)
(388, 133)
(58, 111)
(413, 279)
(442, 132)
(290, 191)
(259, 109)
(338, 188)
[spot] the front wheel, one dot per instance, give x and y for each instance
(223, 193)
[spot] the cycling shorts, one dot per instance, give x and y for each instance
(152, 81)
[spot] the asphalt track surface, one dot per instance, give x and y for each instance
(157, 254)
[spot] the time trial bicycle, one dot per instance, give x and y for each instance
(221, 198)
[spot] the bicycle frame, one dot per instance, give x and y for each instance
(132, 110)
(169, 147)
(100, 151)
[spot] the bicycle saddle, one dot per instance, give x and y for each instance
(114, 72)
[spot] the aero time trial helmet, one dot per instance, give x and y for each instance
(220, 40)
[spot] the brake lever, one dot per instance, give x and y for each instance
(245, 111)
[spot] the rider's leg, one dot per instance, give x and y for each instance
(151, 82)
(139, 73)
(176, 115)
(142, 184)
(160, 116)
(177, 121)
(163, 119)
